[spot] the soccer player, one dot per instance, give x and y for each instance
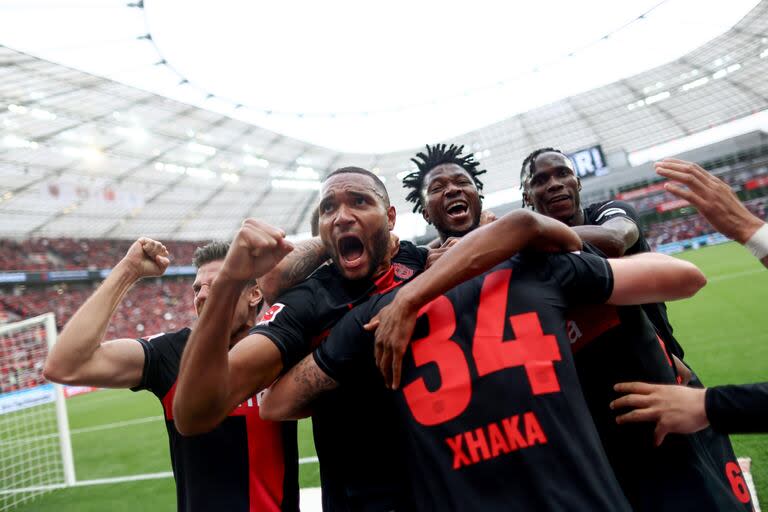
(355, 221)
(244, 464)
(493, 414)
(614, 346)
(731, 408)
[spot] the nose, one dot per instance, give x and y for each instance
(554, 184)
(452, 190)
(200, 298)
(344, 216)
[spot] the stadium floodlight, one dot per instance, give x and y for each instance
(35, 446)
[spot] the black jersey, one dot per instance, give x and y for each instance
(738, 409)
(619, 344)
(599, 213)
(355, 472)
(245, 464)
(491, 406)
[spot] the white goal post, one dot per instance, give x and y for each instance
(35, 445)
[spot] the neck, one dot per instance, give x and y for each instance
(577, 219)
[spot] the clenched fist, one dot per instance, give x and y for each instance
(146, 258)
(255, 250)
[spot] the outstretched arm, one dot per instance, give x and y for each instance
(290, 397)
(80, 356)
(717, 203)
(652, 277)
(212, 379)
(476, 253)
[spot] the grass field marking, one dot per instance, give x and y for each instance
(726, 277)
(116, 424)
(95, 428)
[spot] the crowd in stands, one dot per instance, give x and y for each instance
(73, 253)
(691, 226)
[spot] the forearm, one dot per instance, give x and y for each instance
(85, 331)
(609, 242)
(290, 397)
(293, 269)
(485, 248)
(202, 392)
(738, 409)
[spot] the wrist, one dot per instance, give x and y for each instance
(125, 271)
(757, 243)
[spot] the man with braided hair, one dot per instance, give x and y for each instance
(446, 190)
(610, 344)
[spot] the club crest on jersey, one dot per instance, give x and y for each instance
(271, 313)
(402, 271)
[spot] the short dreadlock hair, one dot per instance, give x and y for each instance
(439, 154)
(529, 167)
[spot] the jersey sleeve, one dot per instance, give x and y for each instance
(347, 354)
(153, 378)
(738, 409)
(613, 209)
(584, 278)
(288, 324)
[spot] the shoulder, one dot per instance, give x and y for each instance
(411, 255)
(597, 213)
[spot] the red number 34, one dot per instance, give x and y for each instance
(531, 348)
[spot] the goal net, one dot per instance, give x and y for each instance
(35, 450)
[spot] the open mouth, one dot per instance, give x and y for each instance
(351, 249)
(457, 208)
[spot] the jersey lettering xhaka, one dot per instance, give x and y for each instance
(353, 438)
(493, 413)
(245, 464)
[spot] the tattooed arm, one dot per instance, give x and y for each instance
(293, 269)
(290, 397)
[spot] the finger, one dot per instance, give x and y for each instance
(397, 366)
(372, 324)
(637, 416)
(683, 193)
(385, 365)
(162, 262)
(659, 434)
(634, 387)
(633, 401)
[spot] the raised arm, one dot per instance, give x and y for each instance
(476, 253)
(717, 203)
(294, 268)
(80, 356)
(212, 379)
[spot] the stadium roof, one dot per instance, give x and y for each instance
(364, 77)
(82, 155)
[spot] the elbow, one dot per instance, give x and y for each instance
(695, 281)
(56, 373)
(271, 410)
(189, 425)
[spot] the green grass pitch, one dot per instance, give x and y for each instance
(119, 433)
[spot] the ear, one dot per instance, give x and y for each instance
(254, 296)
(391, 217)
(526, 200)
(425, 215)
(578, 180)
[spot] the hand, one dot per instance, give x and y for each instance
(486, 217)
(683, 372)
(434, 254)
(394, 326)
(146, 258)
(255, 250)
(714, 199)
(674, 408)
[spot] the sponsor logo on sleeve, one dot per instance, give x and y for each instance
(271, 313)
